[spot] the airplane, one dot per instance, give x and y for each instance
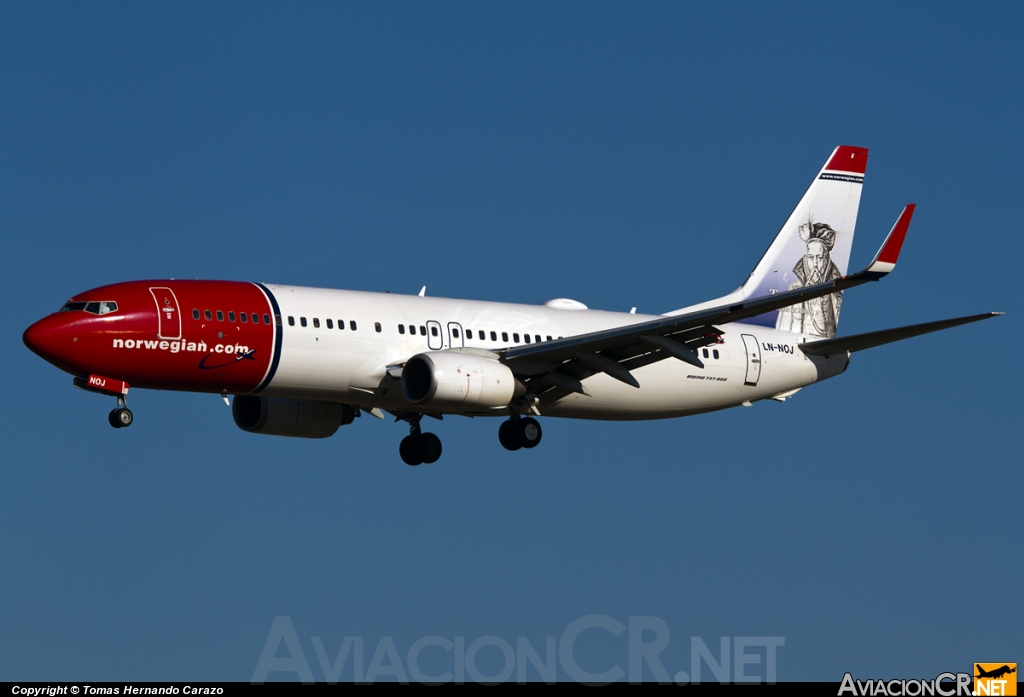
(303, 362)
(995, 673)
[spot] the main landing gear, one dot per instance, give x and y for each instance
(121, 417)
(519, 433)
(419, 448)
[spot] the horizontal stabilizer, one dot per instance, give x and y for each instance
(859, 342)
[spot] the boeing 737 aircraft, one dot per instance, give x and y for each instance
(304, 361)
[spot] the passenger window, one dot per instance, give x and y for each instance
(316, 322)
(231, 316)
(494, 336)
(330, 324)
(376, 327)
(715, 354)
(423, 330)
(401, 329)
(291, 321)
(705, 352)
(515, 337)
(433, 331)
(455, 332)
(341, 324)
(244, 317)
(208, 315)
(504, 336)
(195, 314)
(549, 337)
(302, 321)
(537, 337)
(266, 319)
(220, 315)
(352, 325)
(527, 337)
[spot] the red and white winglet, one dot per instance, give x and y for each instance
(889, 252)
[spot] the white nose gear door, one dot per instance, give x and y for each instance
(753, 359)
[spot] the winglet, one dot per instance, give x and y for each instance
(889, 252)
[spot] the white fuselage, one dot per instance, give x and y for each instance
(351, 365)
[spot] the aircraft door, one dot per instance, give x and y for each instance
(435, 342)
(455, 335)
(169, 323)
(753, 359)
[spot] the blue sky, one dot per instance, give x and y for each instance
(620, 155)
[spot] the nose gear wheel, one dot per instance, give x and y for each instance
(121, 417)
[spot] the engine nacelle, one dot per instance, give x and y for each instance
(454, 379)
(299, 418)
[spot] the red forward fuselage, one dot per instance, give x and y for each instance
(173, 335)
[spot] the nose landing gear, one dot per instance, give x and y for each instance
(121, 416)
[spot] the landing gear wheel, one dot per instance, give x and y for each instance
(528, 432)
(507, 436)
(124, 416)
(428, 446)
(114, 418)
(409, 452)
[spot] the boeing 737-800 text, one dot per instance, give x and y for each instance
(304, 361)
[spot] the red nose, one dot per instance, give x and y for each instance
(48, 338)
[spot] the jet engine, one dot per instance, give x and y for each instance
(454, 379)
(299, 418)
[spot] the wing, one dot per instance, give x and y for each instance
(554, 369)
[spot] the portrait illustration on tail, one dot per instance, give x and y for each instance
(819, 316)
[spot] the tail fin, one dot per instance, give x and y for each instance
(813, 247)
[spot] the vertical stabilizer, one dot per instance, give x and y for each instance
(813, 247)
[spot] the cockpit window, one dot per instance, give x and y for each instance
(96, 308)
